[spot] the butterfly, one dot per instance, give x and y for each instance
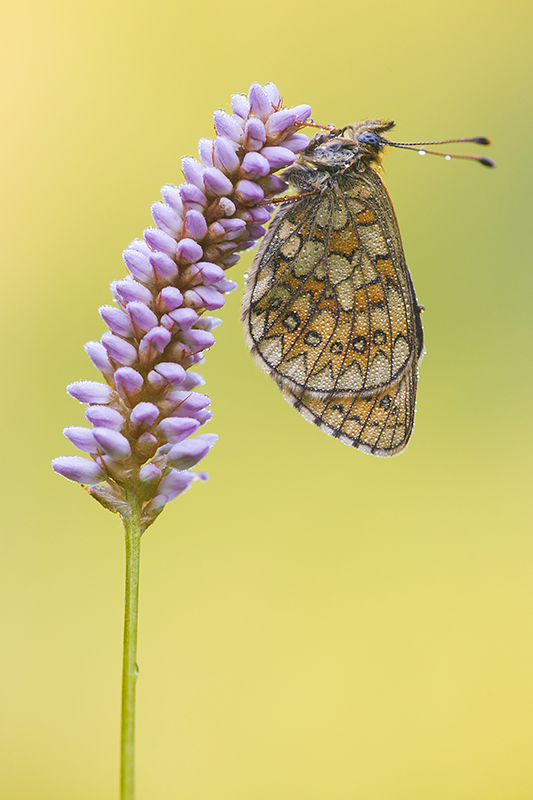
(330, 309)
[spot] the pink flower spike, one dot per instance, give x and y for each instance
(90, 392)
(78, 469)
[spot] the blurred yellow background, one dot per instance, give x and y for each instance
(315, 624)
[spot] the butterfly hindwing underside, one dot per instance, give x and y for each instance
(330, 310)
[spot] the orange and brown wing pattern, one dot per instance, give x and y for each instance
(330, 309)
(379, 424)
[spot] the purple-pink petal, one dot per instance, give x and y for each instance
(171, 195)
(225, 157)
(193, 171)
(176, 429)
(248, 192)
(119, 350)
(280, 120)
(128, 381)
(138, 264)
(128, 289)
(189, 452)
(188, 403)
(211, 273)
(90, 392)
(192, 196)
(113, 443)
(169, 298)
(117, 320)
(296, 142)
(211, 298)
(104, 417)
(216, 182)
(173, 373)
(260, 105)
(184, 317)
(98, 355)
(240, 105)
(159, 240)
(272, 92)
(156, 340)
(142, 317)
(166, 218)
(188, 251)
(144, 414)
(227, 125)
(173, 484)
(195, 225)
(278, 157)
(78, 469)
(82, 438)
(165, 266)
(197, 339)
(255, 165)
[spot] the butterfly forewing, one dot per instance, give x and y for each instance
(331, 313)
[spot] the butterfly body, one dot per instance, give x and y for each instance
(330, 309)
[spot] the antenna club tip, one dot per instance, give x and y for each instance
(481, 140)
(487, 162)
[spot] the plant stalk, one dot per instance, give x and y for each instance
(133, 532)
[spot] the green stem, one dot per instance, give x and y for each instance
(132, 530)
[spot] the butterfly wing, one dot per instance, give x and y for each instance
(331, 312)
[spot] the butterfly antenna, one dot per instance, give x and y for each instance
(421, 148)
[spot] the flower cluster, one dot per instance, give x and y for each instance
(144, 416)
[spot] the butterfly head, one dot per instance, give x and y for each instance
(340, 149)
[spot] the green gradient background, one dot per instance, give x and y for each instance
(315, 624)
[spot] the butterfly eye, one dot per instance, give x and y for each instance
(369, 138)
